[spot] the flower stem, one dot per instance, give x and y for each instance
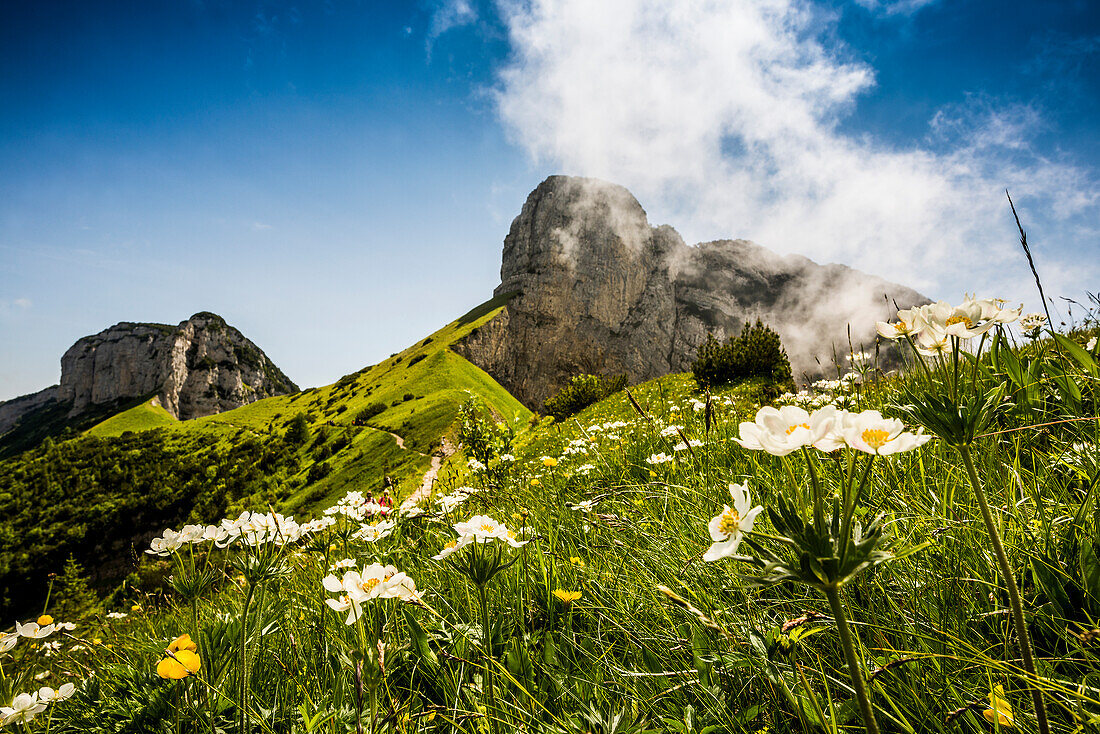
(854, 671)
(487, 642)
(1013, 591)
(243, 672)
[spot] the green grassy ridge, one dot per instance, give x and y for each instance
(139, 418)
(136, 472)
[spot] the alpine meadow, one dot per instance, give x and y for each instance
(823, 458)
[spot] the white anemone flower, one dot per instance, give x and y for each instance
(728, 526)
(1033, 322)
(192, 534)
(343, 604)
(56, 695)
(32, 631)
(373, 532)
(871, 433)
(964, 321)
(164, 546)
(910, 322)
(834, 438)
(8, 640)
(933, 341)
(584, 506)
(373, 582)
(993, 310)
(659, 458)
(117, 615)
(782, 431)
(481, 528)
(24, 707)
(452, 547)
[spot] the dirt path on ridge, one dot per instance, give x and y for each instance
(426, 484)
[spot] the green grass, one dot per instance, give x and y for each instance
(139, 418)
(718, 652)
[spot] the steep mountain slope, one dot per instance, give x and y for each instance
(600, 290)
(96, 496)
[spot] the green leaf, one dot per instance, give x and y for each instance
(1079, 354)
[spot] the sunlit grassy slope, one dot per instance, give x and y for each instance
(420, 387)
(139, 418)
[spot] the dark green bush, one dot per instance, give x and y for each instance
(756, 354)
(582, 391)
(415, 359)
(297, 432)
(317, 472)
(370, 411)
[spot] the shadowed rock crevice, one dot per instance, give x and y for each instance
(600, 290)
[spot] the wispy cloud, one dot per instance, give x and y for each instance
(725, 118)
(895, 7)
(447, 15)
(261, 226)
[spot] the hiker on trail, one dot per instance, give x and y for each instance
(386, 501)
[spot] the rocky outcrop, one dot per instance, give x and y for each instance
(200, 367)
(12, 410)
(597, 289)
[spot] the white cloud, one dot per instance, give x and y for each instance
(22, 302)
(725, 118)
(261, 226)
(447, 15)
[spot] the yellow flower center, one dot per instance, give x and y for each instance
(730, 522)
(960, 319)
(798, 425)
(876, 438)
(487, 528)
(512, 534)
(368, 584)
(452, 544)
(901, 328)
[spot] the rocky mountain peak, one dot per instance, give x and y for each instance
(199, 367)
(598, 289)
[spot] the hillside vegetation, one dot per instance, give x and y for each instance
(95, 496)
(667, 560)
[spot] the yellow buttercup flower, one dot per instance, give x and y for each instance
(183, 642)
(577, 561)
(999, 711)
(97, 641)
(549, 461)
(567, 596)
(135, 608)
(45, 620)
(535, 482)
(182, 665)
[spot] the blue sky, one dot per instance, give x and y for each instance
(335, 179)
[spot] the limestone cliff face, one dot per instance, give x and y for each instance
(200, 367)
(600, 290)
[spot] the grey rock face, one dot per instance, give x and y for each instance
(12, 410)
(201, 367)
(600, 290)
